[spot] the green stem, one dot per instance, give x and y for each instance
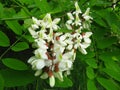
(4, 19)
(12, 46)
(37, 84)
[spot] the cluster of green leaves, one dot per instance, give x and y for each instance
(98, 70)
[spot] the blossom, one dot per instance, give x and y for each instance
(56, 51)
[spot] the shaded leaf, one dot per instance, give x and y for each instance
(4, 40)
(106, 42)
(1, 10)
(17, 78)
(1, 82)
(14, 64)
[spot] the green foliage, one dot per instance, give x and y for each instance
(16, 78)
(98, 70)
(20, 46)
(1, 83)
(14, 64)
(4, 40)
(15, 27)
(66, 83)
(91, 85)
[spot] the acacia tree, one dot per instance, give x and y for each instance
(69, 44)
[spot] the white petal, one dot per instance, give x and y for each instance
(31, 59)
(33, 33)
(34, 26)
(40, 64)
(68, 26)
(87, 34)
(82, 50)
(69, 47)
(44, 75)
(52, 81)
(38, 72)
(56, 21)
(70, 16)
(87, 40)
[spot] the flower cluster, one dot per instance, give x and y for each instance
(56, 51)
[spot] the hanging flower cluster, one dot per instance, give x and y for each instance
(56, 51)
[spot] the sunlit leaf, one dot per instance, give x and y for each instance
(91, 85)
(15, 27)
(108, 84)
(90, 73)
(20, 46)
(14, 64)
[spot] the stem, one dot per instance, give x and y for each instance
(37, 85)
(4, 19)
(12, 46)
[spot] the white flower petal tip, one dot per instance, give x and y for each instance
(77, 8)
(52, 81)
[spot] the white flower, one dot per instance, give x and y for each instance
(39, 53)
(86, 15)
(51, 24)
(65, 65)
(41, 44)
(86, 37)
(36, 21)
(33, 33)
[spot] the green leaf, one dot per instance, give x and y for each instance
(20, 46)
(91, 85)
(113, 74)
(42, 5)
(110, 63)
(106, 42)
(17, 78)
(108, 84)
(14, 64)
(66, 83)
(1, 10)
(27, 23)
(4, 40)
(91, 62)
(90, 72)
(15, 27)
(29, 38)
(1, 82)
